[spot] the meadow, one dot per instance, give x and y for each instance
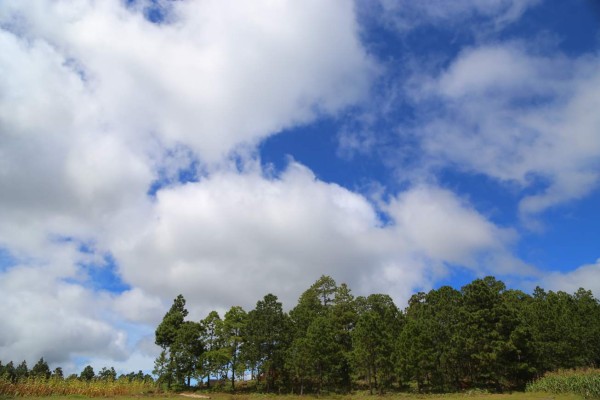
(224, 396)
(582, 384)
(57, 388)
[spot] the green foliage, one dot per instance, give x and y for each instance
(215, 358)
(233, 329)
(107, 374)
(57, 373)
(267, 338)
(164, 368)
(87, 374)
(482, 338)
(186, 350)
(427, 350)
(9, 372)
(374, 341)
(181, 343)
(22, 372)
(41, 369)
(585, 383)
(166, 332)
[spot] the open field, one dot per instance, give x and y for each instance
(225, 396)
(407, 396)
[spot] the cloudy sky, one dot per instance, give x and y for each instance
(228, 149)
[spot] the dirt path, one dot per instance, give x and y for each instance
(194, 395)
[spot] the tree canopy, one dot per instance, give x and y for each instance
(481, 336)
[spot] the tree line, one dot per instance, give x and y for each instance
(41, 371)
(481, 336)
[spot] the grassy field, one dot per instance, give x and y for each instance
(224, 396)
(585, 382)
(404, 396)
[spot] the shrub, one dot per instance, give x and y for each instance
(584, 382)
(35, 387)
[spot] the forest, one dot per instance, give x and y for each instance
(481, 336)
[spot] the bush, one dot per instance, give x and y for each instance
(49, 387)
(584, 382)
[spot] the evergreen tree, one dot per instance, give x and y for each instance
(425, 350)
(268, 338)
(215, 357)
(298, 362)
(164, 369)
(168, 330)
(87, 374)
(41, 369)
(324, 352)
(186, 351)
(487, 324)
(373, 340)
(58, 373)
(320, 326)
(107, 374)
(22, 372)
(234, 325)
(344, 316)
(10, 372)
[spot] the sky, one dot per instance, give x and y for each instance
(226, 149)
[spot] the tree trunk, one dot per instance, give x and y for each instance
(233, 376)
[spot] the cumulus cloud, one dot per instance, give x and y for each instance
(103, 101)
(97, 104)
(517, 116)
(442, 226)
(586, 276)
(215, 76)
(46, 316)
(139, 307)
(262, 234)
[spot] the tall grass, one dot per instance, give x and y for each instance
(52, 387)
(585, 383)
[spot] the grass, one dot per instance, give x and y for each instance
(224, 396)
(407, 396)
(38, 388)
(545, 389)
(586, 383)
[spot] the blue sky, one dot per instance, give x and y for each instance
(226, 150)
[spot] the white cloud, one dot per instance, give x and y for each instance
(405, 14)
(516, 116)
(232, 238)
(444, 227)
(219, 75)
(44, 316)
(96, 103)
(137, 306)
(585, 276)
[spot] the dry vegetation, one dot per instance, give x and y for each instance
(224, 396)
(562, 385)
(57, 387)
